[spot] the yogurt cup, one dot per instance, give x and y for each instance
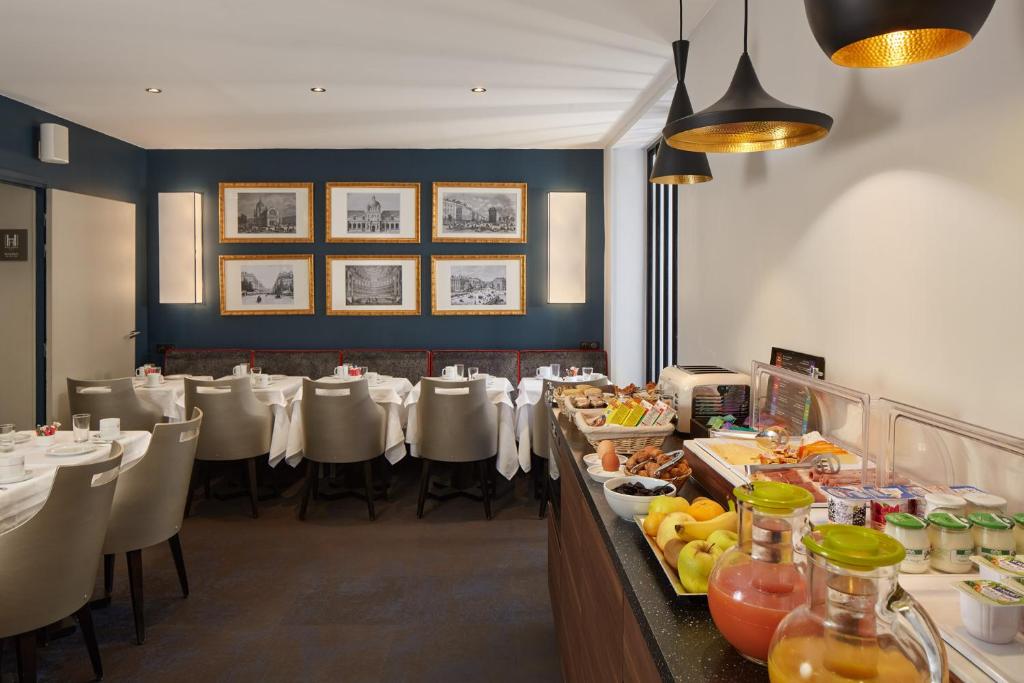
(1000, 567)
(991, 611)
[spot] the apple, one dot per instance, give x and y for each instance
(695, 562)
(668, 529)
(667, 504)
(724, 538)
(671, 552)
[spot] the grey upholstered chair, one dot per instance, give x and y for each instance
(50, 560)
(236, 425)
(112, 398)
(342, 425)
(149, 505)
(458, 424)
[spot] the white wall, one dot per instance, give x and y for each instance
(895, 247)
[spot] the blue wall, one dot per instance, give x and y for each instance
(100, 165)
(544, 325)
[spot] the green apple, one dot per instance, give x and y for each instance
(724, 538)
(696, 560)
(667, 504)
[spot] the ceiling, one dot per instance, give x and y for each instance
(398, 73)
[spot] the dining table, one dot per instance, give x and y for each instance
(20, 500)
(513, 438)
(168, 395)
(387, 392)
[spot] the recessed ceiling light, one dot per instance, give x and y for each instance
(318, 89)
(478, 90)
(154, 91)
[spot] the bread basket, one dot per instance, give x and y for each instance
(627, 440)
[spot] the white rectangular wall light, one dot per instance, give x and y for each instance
(567, 247)
(181, 247)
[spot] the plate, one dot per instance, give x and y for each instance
(22, 437)
(600, 475)
(71, 449)
(25, 477)
(96, 438)
(592, 459)
(670, 574)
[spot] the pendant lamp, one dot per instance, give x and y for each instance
(673, 166)
(746, 118)
(888, 33)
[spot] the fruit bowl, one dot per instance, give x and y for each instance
(626, 506)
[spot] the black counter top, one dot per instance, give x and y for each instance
(684, 642)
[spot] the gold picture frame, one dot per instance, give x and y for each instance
(414, 259)
(228, 227)
(444, 263)
(414, 210)
(440, 232)
(236, 305)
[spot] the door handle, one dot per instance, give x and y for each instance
(134, 333)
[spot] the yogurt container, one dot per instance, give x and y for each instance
(847, 505)
(993, 533)
(1018, 531)
(912, 533)
(991, 611)
(979, 501)
(937, 501)
(888, 500)
(1000, 567)
(952, 542)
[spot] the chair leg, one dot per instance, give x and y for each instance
(251, 468)
(25, 647)
(108, 575)
(485, 486)
(84, 616)
(179, 562)
(135, 584)
(312, 471)
(424, 484)
(368, 476)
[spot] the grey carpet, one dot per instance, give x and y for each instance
(451, 597)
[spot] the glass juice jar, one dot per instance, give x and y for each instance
(760, 580)
(858, 624)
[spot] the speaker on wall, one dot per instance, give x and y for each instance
(53, 144)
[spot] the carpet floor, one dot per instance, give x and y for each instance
(450, 597)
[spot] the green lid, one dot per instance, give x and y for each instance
(905, 520)
(947, 520)
(773, 496)
(1019, 518)
(991, 520)
(854, 546)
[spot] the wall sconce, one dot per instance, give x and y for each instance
(181, 247)
(567, 247)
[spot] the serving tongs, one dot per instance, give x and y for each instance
(823, 463)
(674, 457)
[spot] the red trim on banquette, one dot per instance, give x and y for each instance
(515, 351)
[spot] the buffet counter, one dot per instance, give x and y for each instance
(616, 615)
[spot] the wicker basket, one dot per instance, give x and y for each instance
(627, 440)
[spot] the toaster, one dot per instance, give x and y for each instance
(703, 391)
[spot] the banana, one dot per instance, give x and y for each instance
(699, 531)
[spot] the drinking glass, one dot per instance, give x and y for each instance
(362, 371)
(556, 370)
(80, 425)
(473, 372)
(6, 438)
(587, 372)
(460, 371)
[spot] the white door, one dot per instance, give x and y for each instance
(90, 292)
(18, 284)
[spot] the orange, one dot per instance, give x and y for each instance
(704, 509)
(652, 522)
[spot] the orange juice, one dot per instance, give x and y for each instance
(808, 659)
(749, 600)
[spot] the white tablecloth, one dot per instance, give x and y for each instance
(169, 396)
(511, 456)
(18, 502)
(388, 392)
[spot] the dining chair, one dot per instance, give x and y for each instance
(458, 424)
(237, 426)
(50, 560)
(112, 398)
(149, 505)
(342, 425)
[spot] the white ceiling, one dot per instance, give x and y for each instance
(237, 73)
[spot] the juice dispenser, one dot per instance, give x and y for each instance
(858, 624)
(760, 580)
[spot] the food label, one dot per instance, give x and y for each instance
(995, 551)
(1012, 565)
(918, 555)
(991, 592)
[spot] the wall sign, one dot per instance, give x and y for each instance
(13, 245)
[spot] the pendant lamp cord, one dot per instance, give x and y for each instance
(746, 20)
(680, 19)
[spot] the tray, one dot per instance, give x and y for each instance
(670, 573)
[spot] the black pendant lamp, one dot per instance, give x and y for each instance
(673, 166)
(887, 33)
(747, 119)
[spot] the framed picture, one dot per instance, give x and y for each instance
(266, 212)
(479, 212)
(373, 285)
(266, 284)
(373, 212)
(478, 285)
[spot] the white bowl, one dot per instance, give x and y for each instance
(601, 475)
(628, 506)
(591, 459)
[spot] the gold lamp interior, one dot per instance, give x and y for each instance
(899, 48)
(680, 179)
(747, 136)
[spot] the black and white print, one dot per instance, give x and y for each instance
(266, 212)
(374, 213)
(491, 213)
(373, 285)
(269, 285)
(263, 213)
(478, 285)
